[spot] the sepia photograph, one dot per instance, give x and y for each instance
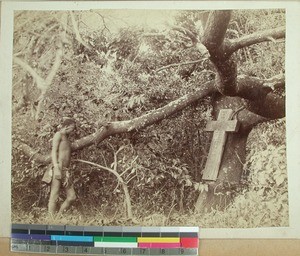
(140, 117)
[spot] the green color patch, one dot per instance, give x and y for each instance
(115, 239)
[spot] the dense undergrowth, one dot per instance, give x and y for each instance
(161, 164)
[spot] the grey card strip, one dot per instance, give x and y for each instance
(55, 228)
(19, 226)
(113, 229)
(132, 229)
(75, 228)
(93, 229)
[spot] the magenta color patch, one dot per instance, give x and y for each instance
(159, 245)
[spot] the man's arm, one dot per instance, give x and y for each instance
(55, 145)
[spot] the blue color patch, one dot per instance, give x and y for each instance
(72, 238)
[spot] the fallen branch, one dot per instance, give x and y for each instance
(265, 103)
(137, 123)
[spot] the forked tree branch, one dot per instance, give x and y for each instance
(103, 21)
(213, 40)
(41, 83)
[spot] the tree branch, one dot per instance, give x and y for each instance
(102, 167)
(248, 119)
(154, 34)
(262, 101)
(185, 32)
(55, 66)
(40, 82)
(76, 31)
(138, 123)
(261, 98)
(255, 38)
(103, 21)
(43, 84)
(275, 82)
(120, 179)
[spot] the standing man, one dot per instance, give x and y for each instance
(59, 174)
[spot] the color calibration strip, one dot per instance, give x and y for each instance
(92, 240)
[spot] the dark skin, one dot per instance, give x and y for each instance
(61, 156)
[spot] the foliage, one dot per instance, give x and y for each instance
(117, 80)
(263, 202)
(256, 60)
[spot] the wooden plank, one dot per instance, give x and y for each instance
(229, 126)
(215, 154)
(220, 128)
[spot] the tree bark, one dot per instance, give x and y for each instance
(258, 98)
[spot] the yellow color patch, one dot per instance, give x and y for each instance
(158, 239)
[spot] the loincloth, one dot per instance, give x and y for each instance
(66, 179)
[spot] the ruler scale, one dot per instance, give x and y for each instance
(92, 240)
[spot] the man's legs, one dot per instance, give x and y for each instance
(71, 197)
(57, 171)
(54, 194)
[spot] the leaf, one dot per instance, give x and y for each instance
(188, 183)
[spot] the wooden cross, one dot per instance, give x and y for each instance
(220, 129)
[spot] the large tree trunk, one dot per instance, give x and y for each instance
(257, 97)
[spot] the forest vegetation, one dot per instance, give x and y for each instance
(141, 97)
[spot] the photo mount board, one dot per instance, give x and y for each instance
(292, 101)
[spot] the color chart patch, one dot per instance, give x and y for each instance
(92, 240)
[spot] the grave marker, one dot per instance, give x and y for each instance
(221, 127)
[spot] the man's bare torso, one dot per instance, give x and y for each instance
(64, 151)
